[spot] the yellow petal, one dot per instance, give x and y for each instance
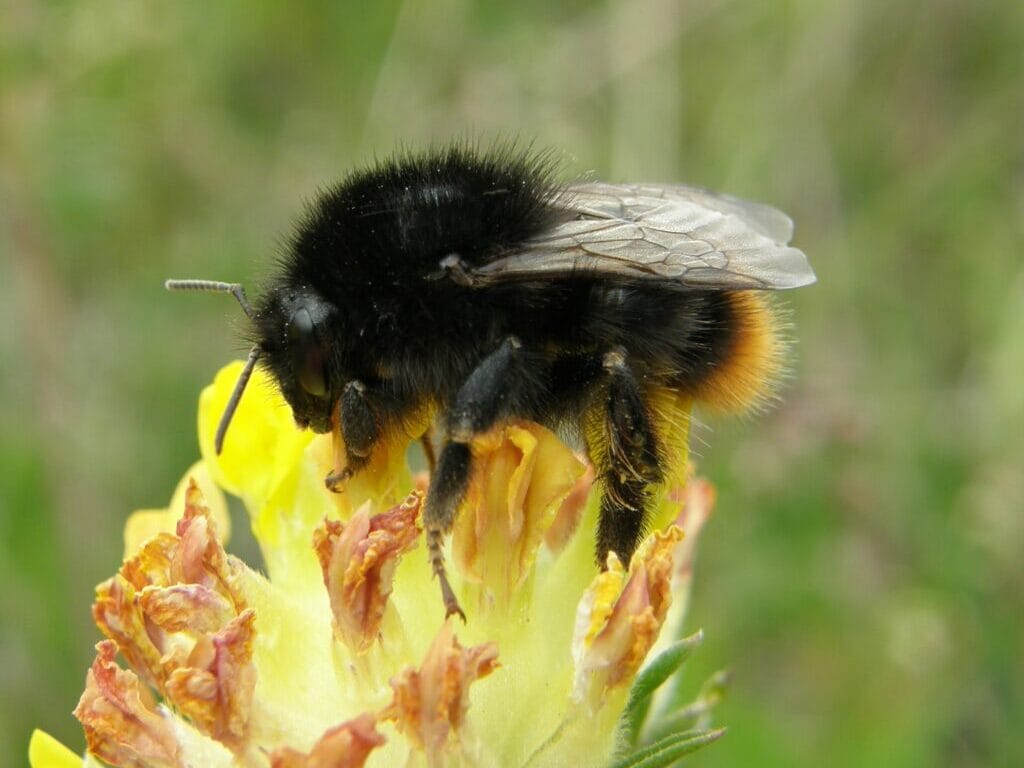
(570, 513)
(262, 444)
(44, 751)
(522, 474)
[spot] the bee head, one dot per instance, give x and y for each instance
(292, 328)
(292, 341)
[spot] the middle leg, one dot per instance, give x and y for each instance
(509, 382)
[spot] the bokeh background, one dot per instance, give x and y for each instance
(863, 574)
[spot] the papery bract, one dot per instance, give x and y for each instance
(359, 559)
(430, 702)
(620, 616)
(177, 614)
(214, 688)
(121, 722)
(344, 746)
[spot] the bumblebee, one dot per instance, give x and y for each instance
(474, 286)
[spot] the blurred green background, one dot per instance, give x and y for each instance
(864, 570)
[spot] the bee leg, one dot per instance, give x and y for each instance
(630, 464)
(447, 488)
(358, 420)
(501, 385)
(358, 423)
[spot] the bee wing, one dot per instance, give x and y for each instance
(678, 233)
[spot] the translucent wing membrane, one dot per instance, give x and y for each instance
(678, 233)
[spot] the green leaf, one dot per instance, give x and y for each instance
(696, 714)
(668, 750)
(651, 678)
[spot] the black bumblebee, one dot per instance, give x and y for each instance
(471, 284)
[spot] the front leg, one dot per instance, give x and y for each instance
(360, 428)
(506, 383)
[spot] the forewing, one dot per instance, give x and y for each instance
(678, 233)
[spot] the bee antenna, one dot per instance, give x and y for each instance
(236, 396)
(213, 286)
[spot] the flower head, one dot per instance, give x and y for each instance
(339, 655)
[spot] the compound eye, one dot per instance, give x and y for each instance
(308, 353)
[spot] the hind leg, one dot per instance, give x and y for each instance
(628, 460)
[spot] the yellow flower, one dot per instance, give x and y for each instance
(339, 655)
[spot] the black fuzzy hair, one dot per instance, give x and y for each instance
(393, 222)
(365, 247)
